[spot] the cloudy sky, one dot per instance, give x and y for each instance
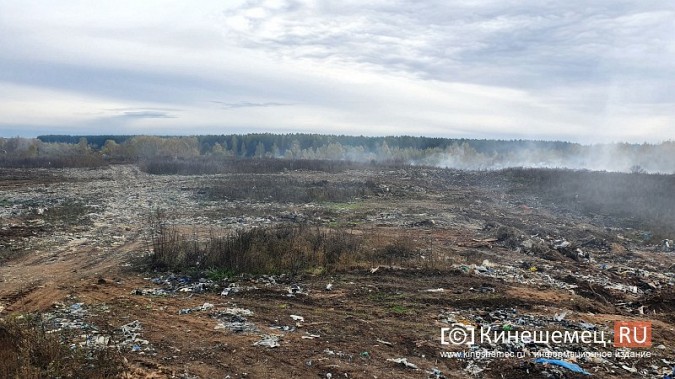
(586, 71)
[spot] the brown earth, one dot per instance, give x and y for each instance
(485, 257)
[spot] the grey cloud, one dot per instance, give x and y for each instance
(529, 44)
(247, 104)
(147, 114)
(141, 84)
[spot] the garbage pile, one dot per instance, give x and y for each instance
(235, 320)
(71, 322)
(172, 284)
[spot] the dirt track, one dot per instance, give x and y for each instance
(487, 257)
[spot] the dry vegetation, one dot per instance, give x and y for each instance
(28, 351)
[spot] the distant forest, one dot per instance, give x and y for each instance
(245, 145)
(472, 154)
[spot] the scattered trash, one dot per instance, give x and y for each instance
(329, 286)
(150, 291)
(203, 307)
(284, 328)
(561, 244)
(385, 342)
(131, 333)
(234, 319)
(435, 290)
(560, 316)
(436, 373)
(268, 341)
(473, 369)
(233, 288)
(242, 312)
(310, 336)
(629, 369)
(404, 362)
(295, 289)
(587, 326)
(570, 366)
(298, 318)
(96, 341)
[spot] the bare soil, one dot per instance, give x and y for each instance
(486, 255)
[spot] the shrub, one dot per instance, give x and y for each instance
(279, 249)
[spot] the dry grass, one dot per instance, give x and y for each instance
(28, 351)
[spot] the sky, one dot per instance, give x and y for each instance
(581, 71)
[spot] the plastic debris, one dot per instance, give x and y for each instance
(587, 325)
(150, 291)
(203, 307)
(268, 341)
(231, 289)
(570, 366)
(629, 369)
(473, 369)
(404, 362)
(284, 328)
(295, 289)
(436, 373)
(96, 341)
(298, 318)
(234, 319)
(238, 312)
(561, 244)
(131, 333)
(384, 342)
(329, 286)
(173, 283)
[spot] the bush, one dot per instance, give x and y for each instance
(399, 250)
(271, 250)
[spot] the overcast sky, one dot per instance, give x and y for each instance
(577, 70)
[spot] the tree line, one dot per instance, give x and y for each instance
(475, 154)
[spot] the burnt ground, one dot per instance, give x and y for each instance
(74, 245)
